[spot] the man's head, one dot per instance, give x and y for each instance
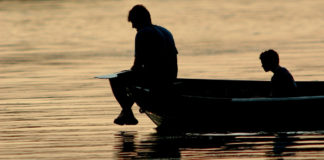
(269, 60)
(139, 16)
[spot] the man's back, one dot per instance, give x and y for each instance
(155, 50)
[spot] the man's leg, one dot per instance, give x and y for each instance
(120, 88)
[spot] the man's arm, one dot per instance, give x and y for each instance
(140, 49)
(138, 64)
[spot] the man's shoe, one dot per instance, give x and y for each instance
(126, 117)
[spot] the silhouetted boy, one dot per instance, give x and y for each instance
(155, 65)
(282, 82)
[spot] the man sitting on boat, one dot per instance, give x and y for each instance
(282, 82)
(155, 65)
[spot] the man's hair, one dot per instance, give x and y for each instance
(139, 14)
(270, 56)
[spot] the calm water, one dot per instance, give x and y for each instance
(50, 50)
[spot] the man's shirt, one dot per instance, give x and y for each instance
(156, 54)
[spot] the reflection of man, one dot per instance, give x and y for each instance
(283, 83)
(155, 63)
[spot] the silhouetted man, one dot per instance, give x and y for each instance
(282, 82)
(155, 65)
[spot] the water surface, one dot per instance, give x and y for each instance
(51, 107)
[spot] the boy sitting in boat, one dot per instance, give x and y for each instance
(282, 82)
(155, 65)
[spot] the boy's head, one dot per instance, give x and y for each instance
(269, 60)
(139, 16)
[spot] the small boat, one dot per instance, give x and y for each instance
(229, 105)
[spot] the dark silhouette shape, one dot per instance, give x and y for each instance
(281, 142)
(274, 145)
(155, 65)
(282, 82)
(126, 145)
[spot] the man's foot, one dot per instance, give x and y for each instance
(126, 117)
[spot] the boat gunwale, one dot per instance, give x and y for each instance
(259, 99)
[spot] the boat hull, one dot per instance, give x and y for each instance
(185, 111)
(240, 116)
(227, 105)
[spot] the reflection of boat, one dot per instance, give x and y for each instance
(230, 105)
(214, 145)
